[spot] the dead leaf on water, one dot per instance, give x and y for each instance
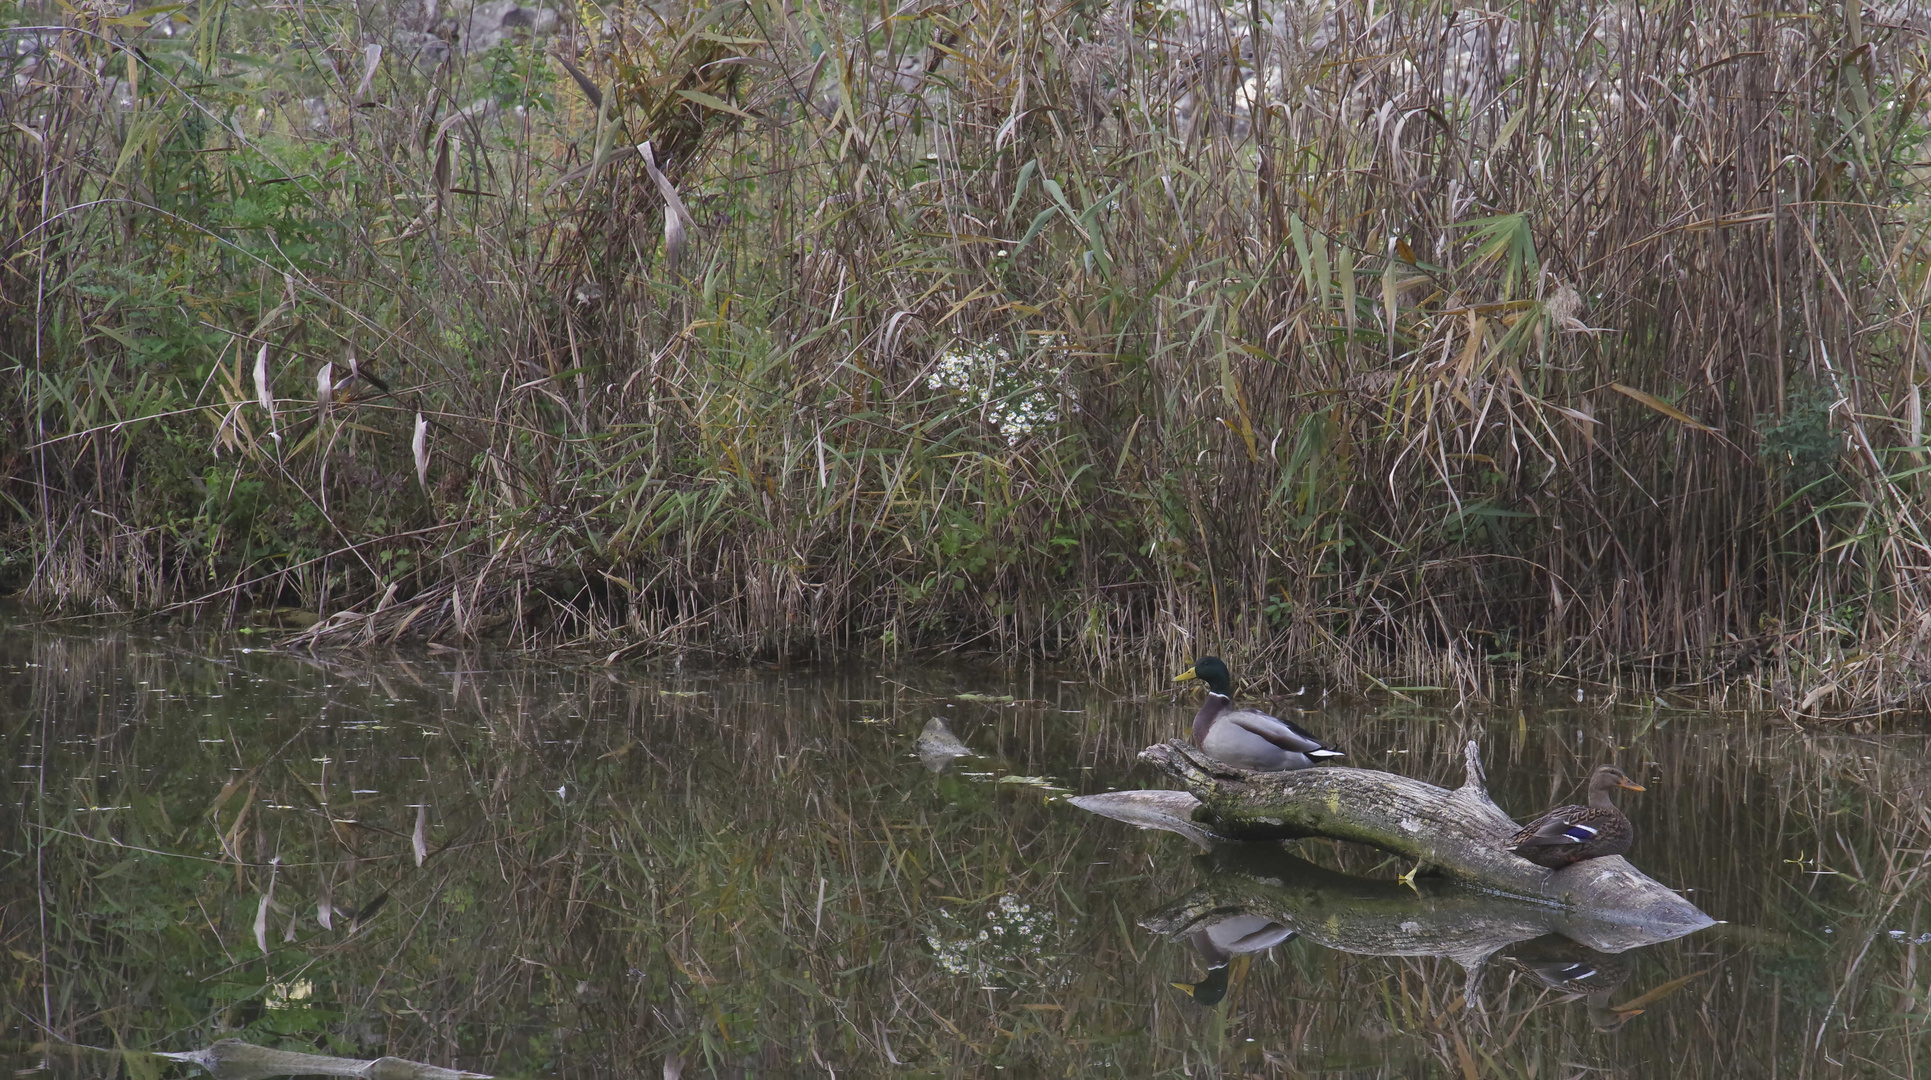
(1638, 1004)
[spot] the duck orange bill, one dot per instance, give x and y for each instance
(1185, 676)
(1631, 785)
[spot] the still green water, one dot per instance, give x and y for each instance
(537, 870)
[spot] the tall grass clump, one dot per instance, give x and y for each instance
(1392, 340)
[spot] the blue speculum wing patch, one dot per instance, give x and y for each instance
(1579, 833)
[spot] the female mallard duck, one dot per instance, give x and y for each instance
(1577, 970)
(1570, 834)
(1244, 737)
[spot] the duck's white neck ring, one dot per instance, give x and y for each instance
(1216, 694)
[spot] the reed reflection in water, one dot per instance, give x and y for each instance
(520, 868)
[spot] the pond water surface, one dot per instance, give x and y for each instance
(532, 869)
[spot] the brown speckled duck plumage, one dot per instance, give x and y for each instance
(1570, 834)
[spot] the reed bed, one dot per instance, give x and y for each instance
(1382, 343)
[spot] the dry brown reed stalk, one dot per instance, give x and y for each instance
(1393, 344)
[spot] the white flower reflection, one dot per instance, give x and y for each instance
(1012, 946)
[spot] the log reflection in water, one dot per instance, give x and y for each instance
(232, 1059)
(1260, 885)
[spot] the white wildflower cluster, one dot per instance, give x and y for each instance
(1018, 398)
(1008, 946)
(291, 995)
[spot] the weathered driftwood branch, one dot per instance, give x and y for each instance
(1459, 833)
(232, 1059)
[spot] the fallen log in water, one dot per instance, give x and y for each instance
(1459, 833)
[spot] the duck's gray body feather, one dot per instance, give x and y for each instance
(1237, 935)
(1254, 740)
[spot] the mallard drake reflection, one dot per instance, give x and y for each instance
(1570, 834)
(1246, 737)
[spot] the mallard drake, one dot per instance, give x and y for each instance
(1244, 737)
(1570, 834)
(1220, 941)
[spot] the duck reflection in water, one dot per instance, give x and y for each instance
(1578, 971)
(1220, 940)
